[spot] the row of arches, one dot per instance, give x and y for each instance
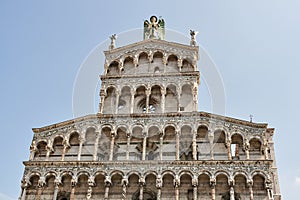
(149, 99)
(151, 185)
(149, 62)
(153, 143)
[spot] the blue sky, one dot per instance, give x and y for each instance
(255, 45)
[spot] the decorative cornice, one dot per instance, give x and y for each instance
(99, 116)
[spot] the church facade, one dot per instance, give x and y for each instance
(148, 140)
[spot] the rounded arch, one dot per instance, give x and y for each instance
(256, 137)
(41, 152)
(100, 173)
(153, 130)
(137, 129)
(148, 173)
(222, 172)
(128, 65)
(123, 128)
(38, 142)
(171, 98)
(158, 54)
(50, 173)
(241, 173)
(186, 172)
(66, 173)
(219, 136)
(110, 100)
(131, 173)
(168, 172)
(202, 132)
(260, 173)
(34, 173)
(83, 173)
(205, 172)
(187, 66)
(113, 68)
(237, 138)
(116, 172)
(57, 146)
(143, 54)
(172, 64)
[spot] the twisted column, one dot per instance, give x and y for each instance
(33, 149)
(49, 150)
(159, 182)
(117, 102)
(213, 189)
(163, 99)
(195, 98)
(195, 187)
(160, 147)
(247, 148)
(102, 98)
(231, 193)
(142, 183)
(24, 185)
(250, 186)
(144, 146)
(41, 184)
(112, 143)
(211, 140)
(177, 145)
(81, 141)
(107, 183)
(128, 145)
(24, 193)
(176, 186)
(132, 102)
(66, 146)
(91, 183)
(124, 187)
(55, 191)
(73, 185)
(95, 154)
(194, 145)
(148, 92)
(228, 146)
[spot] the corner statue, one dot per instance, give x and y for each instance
(154, 29)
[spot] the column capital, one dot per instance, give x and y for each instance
(212, 182)
(91, 181)
(74, 181)
(125, 181)
(57, 181)
(163, 90)
(142, 181)
(176, 181)
(107, 181)
(81, 139)
(33, 146)
(159, 181)
(42, 181)
(249, 183)
(195, 181)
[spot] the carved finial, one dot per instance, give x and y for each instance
(155, 29)
(112, 41)
(193, 41)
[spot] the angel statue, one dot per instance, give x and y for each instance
(154, 28)
(112, 41)
(193, 41)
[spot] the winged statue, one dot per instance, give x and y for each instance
(154, 29)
